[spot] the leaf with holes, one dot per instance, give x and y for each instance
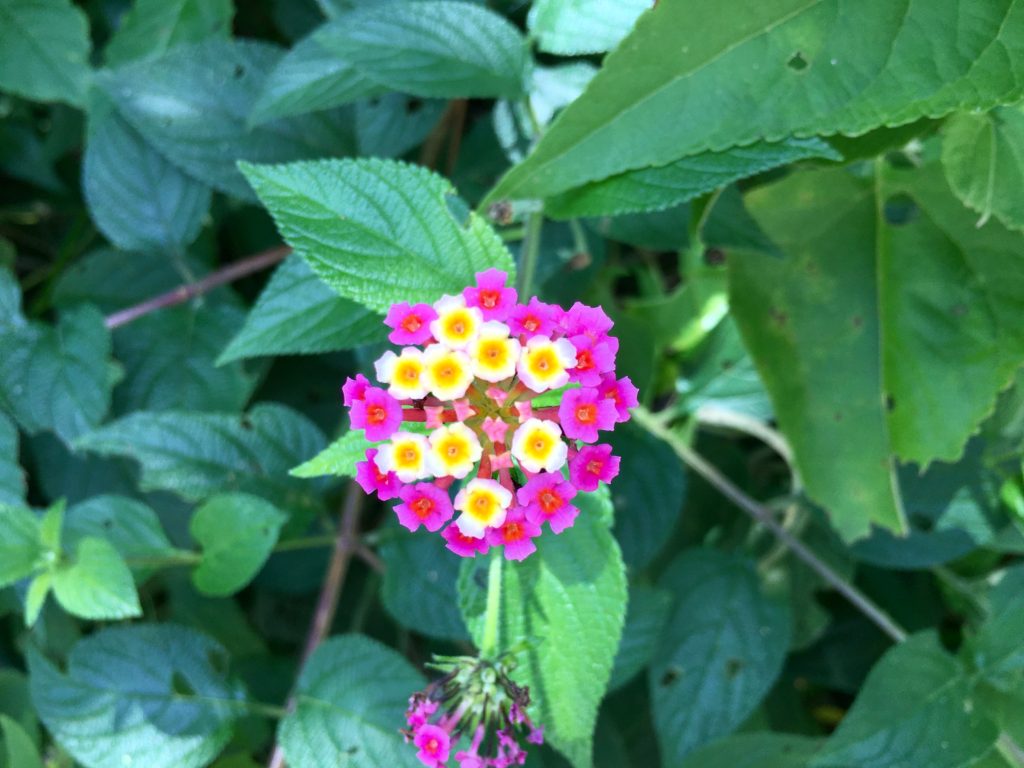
(378, 231)
(44, 50)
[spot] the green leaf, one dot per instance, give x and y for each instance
(655, 189)
(419, 582)
(193, 103)
(44, 50)
(309, 78)
(142, 695)
(983, 154)
(997, 650)
(298, 314)
(58, 378)
(12, 479)
(151, 27)
(861, 342)
(718, 655)
(170, 360)
(11, 317)
(20, 546)
(137, 198)
(755, 750)
(96, 584)
(21, 752)
(338, 459)
(568, 602)
(196, 455)
(350, 700)
(131, 527)
(685, 82)
(237, 533)
(392, 124)
(51, 525)
(431, 48)
(914, 709)
(378, 231)
(573, 27)
(646, 615)
(35, 596)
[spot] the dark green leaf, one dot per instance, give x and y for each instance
(44, 50)
(392, 124)
(11, 317)
(130, 526)
(20, 547)
(12, 479)
(151, 27)
(645, 619)
(755, 750)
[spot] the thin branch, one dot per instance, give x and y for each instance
(345, 545)
(183, 293)
(763, 515)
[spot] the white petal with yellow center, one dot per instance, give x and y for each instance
(493, 353)
(406, 454)
(454, 451)
(544, 364)
(447, 373)
(402, 373)
(456, 324)
(538, 447)
(483, 504)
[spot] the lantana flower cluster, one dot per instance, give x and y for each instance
(501, 402)
(474, 714)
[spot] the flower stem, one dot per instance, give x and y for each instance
(529, 254)
(489, 642)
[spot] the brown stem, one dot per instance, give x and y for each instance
(458, 125)
(345, 545)
(183, 293)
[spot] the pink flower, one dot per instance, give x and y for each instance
(372, 480)
(589, 321)
(378, 413)
(546, 499)
(583, 412)
(495, 429)
(621, 392)
(353, 389)
(593, 465)
(462, 545)
(434, 744)
(533, 319)
(420, 711)
(472, 759)
(536, 735)
(424, 504)
(593, 358)
(490, 295)
(516, 534)
(411, 324)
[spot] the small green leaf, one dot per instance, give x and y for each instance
(718, 655)
(12, 479)
(349, 705)
(142, 695)
(21, 752)
(20, 547)
(237, 533)
(44, 50)
(151, 27)
(96, 584)
(298, 314)
(50, 527)
(917, 703)
(38, 590)
(574, 27)
(378, 231)
(338, 459)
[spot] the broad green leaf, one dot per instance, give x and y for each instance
(44, 50)
(350, 700)
(914, 709)
(298, 314)
(142, 695)
(131, 527)
(170, 361)
(983, 154)
(655, 189)
(193, 103)
(196, 455)
(96, 583)
(645, 619)
(395, 123)
(58, 378)
(12, 479)
(573, 27)
(567, 602)
(719, 653)
(431, 48)
(755, 750)
(683, 82)
(996, 651)
(20, 547)
(378, 231)
(338, 459)
(137, 198)
(309, 78)
(419, 583)
(236, 533)
(647, 494)
(861, 342)
(151, 27)
(19, 749)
